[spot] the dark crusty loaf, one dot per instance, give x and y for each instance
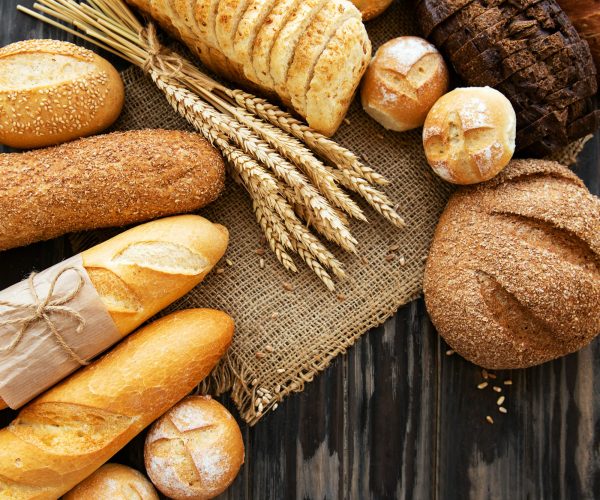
(513, 276)
(107, 180)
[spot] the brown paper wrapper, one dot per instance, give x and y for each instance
(38, 361)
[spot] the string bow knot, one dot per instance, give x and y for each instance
(42, 309)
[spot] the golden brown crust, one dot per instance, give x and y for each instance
(371, 8)
(54, 110)
(195, 450)
(67, 433)
(113, 482)
(513, 275)
(108, 180)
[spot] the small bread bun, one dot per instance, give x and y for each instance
(371, 8)
(52, 92)
(404, 80)
(113, 482)
(469, 135)
(195, 450)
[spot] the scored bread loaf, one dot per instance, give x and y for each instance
(141, 271)
(283, 47)
(53, 92)
(67, 433)
(108, 180)
(513, 276)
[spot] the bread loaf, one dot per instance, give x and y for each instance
(283, 47)
(141, 271)
(371, 8)
(53, 92)
(108, 180)
(114, 482)
(195, 450)
(513, 275)
(70, 431)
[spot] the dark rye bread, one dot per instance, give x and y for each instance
(433, 12)
(513, 276)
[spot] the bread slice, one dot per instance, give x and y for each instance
(247, 30)
(183, 14)
(229, 15)
(285, 45)
(337, 75)
(312, 44)
(205, 14)
(265, 39)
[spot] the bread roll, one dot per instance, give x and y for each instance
(113, 482)
(371, 8)
(108, 180)
(513, 276)
(404, 80)
(70, 431)
(469, 135)
(195, 450)
(53, 92)
(255, 42)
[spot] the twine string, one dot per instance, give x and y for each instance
(160, 59)
(41, 310)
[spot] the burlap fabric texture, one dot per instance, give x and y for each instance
(284, 338)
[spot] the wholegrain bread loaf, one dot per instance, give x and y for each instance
(70, 431)
(282, 47)
(110, 180)
(53, 92)
(513, 275)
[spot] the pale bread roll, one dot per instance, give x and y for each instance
(404, 80)
(371, 8)
(311, 45)
(67, 433)
(53, 92)
(195, 450)
(336, 77)
(266, 37)
(114, 482)
(469, 135)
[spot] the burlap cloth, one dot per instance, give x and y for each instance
(284, 338)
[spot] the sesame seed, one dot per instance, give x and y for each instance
(500, 400)
(497, 389)
(502, 410)
(489, 419)
(483, 385)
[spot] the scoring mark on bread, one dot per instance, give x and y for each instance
(162, 256)
(114, 292)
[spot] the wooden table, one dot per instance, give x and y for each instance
(396, 417)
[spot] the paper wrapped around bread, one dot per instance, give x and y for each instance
(67, 433)
(141, 271)
(107, 180)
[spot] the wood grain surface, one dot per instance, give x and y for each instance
(396, 417)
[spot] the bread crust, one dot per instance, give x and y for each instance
(513, 276)
(371, 8)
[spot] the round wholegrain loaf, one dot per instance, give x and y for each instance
(513, 276)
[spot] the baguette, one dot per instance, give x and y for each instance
(141, 271)
(67, 433)
(53, 92)
(255, 43)
(109, 180)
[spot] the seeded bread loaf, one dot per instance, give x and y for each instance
(53, 92)
(513, 276)
(285, 48)
(108, 180)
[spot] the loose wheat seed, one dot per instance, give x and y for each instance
(260, 408)
(364, 260)
(265, 400)
(489, 419)
(261, 263)
(508, 382)
(347, 121)
(288, 286)
(502, 410)
(341, 297)
(449, 352)
(269, 348)
(277, 389)
(402, 261)
(275, 406)
(394, 248)
(229, 262)
(260, 355)
(497, 389)
(254, 381)
(484, 374)
(257, 402)
(483, 385)
(274, 315)
(501, 400)
(220, 270)
(280, 370)
(260, 251)
(492, 376)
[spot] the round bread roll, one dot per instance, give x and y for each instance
(469, 135)
(195, 450)
(404, 80)
(513, 275)
(53, 92)
(113, 482)
(371, 8)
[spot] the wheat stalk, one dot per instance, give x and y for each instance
(271, 153)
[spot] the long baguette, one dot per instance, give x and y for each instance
(66, 434)
(141, 271)
(108, 180)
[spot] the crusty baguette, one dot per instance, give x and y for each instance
(53, 92)
(109, 180)
(67, 433)
(141, 271)
(254, 42)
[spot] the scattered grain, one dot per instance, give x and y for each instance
(347, 121)
(501, 409)
(275, 406)
(269, 348)
(508, 382)
(274, 315)
(394, 248)
(497, 389)
(261, 263)
(260, 251)
(449, 352)
(501, 400)
(288, 286)
(220, 270)
(390, 257)
(280, 370)
(489, 419)
(277, 389)
(341, 297)
(260, 355)
(229, 262)
(484, 374)
(483, 385)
